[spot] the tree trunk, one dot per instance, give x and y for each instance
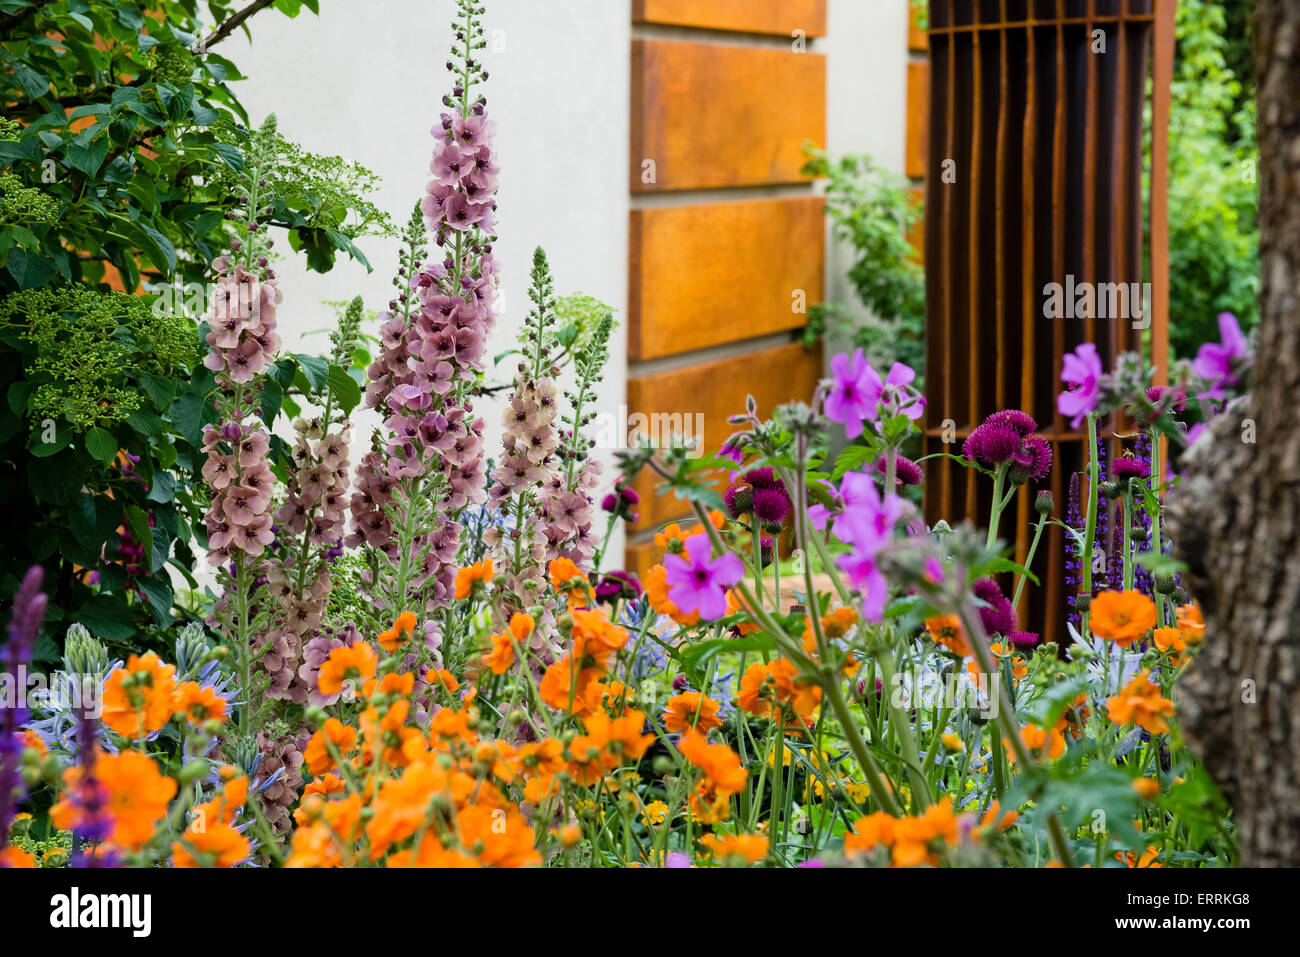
(1235, 517)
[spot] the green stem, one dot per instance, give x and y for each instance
(1090, 523)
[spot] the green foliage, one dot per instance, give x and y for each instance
(579, 316)
(1213, 196)
(124, 133)
(873, 211)
(321, 200)
(90, 356)
(121, 144)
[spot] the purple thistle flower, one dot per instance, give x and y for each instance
(617, 585)
(771, 505)
(997, 615)
(906, 472)
(1024, 640)
(992, 443)
(1125, 468)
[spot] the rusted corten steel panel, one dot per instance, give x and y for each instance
(1036, 118)
(709, 115)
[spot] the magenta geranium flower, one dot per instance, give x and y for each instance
(894, 394)
(1217, 362)
(1081, 372)
(700, 585)
(854, 393)
(858, 394)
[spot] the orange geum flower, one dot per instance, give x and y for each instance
(1000, 650)
(138, 794)
(1122, 616)
(565, 687)
(1172, 642)
(1191, 623)
(443, 677)
(496, 838)
(587, 751)
(1140, 702)
(355, 663)
(627, 745)
(736, 850)
(317, 754)
(835, 625)
(655, 582)
(16, 858)
(335, 827)
(324, 786)
(995, 819)
(200, 704)
(466, 578)
(391, 686)
(389, 734)
(33, 740)
(595, 637)
(917, 839)
(1148, 789)
(502, 656)
(869, 832)
(1148, 858)
(521, 625)
(216, 845)
(451, 725)
(946, 630)
(567, 579)
(399, 634)
(140, 697)
(690, 709)
(721, 766)
(1035, 739)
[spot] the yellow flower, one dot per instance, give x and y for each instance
(656, 812)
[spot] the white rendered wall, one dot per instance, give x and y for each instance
(365, 78)
(866, 106)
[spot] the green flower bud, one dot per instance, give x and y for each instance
(83, 654)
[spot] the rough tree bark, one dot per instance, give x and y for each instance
(1235, 517)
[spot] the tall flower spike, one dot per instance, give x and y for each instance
(24, 624)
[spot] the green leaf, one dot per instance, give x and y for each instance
(344, 388)
(108, 618)
(159, 594)
(272, 400)
(230, 155)
(101, 444)
(87, 159)
(163, 489)
(138, 522)
(695, 656)
(30, 269)
(316, 369)
(158, 247)
(1007, 565)
(187, 414)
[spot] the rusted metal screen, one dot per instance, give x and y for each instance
(1034, 176)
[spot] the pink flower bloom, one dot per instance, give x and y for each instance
(701, 584)
(865, 577)
(1217, 362)
(1081, 372)
(854, 394)
(894, 396)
